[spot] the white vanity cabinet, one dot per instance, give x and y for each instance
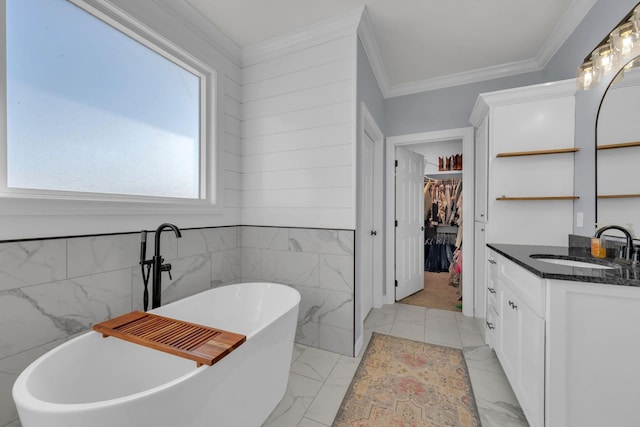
(570, 350)
(519, 332)
(593, 355)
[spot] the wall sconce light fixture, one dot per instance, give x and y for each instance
(622, 44)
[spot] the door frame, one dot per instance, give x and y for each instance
(468, 177)
(368, 124)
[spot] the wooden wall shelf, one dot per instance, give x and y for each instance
(620, 145)
(618, 196)
(538, 152)
(539, 198)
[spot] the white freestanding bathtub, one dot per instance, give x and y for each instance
(95, 381)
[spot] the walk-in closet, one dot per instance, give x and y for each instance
(443, 170)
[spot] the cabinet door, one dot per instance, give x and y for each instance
(481, 170)
(531, 368)
(508, 335)
(493, 272)
(491, 323)
(593, 348)
(521, 353)
(480, 269)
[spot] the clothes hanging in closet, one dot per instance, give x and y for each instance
(427, 199)
(443, 249)
(439, 253)
(440, 202)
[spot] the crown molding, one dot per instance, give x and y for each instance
(520, 94)
(531, 93)
(567, 25)
(312, 35)
(479, 111)
(571, 19)
(185, 13)
(467, 77)
(360, 22)
(367, 37)
(370, 45)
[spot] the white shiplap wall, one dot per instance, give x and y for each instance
(230, 149)
(298, 136)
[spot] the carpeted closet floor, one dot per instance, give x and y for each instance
(437, 293)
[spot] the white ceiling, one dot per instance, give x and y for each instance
(420, 43)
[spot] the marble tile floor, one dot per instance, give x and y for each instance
(319, 379)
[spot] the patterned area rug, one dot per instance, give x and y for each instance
(407, 383)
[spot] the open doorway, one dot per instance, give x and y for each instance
(447, 201)
(441, 223)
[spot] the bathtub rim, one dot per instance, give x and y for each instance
(28, 401)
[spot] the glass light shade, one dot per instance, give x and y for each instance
(605, 58)
(624, 39)
(588, 76)
(635, 19)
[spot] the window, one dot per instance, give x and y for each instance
(94, 109)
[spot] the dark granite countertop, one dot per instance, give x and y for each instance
(622, 274)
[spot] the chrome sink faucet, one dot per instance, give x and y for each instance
(629, 248)
(155, 265)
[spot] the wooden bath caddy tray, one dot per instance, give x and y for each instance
(202, 344)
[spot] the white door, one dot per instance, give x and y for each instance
(367, 225)
(409, 222)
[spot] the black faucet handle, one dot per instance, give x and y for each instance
(167, 268)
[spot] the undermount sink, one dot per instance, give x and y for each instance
(572, 261)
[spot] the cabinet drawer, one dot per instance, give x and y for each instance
(492, 299)
(491, 323)
(493, 271)
(525, 285)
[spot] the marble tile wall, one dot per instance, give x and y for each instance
(52, 290)
(320, 265)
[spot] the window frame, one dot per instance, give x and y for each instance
(21, 201)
